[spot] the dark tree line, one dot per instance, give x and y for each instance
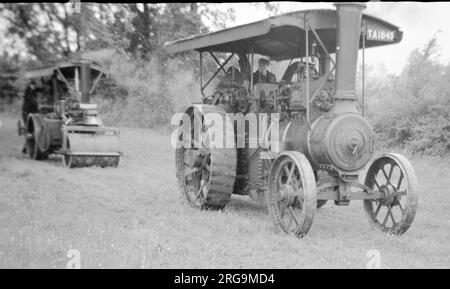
(55, 30)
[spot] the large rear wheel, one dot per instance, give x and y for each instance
(33, 137)
(292, 194)
(206, 174)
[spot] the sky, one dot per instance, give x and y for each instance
(419, 21)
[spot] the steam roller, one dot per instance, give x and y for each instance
(66, 122)
(90, 146)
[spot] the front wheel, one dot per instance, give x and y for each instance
(393, 175)
(292, 194)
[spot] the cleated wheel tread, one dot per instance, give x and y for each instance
(206, 176)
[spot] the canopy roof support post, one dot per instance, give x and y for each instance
(218, 70)
(77, 80)
(60, 74)
(362, 72)
(307, 73)
(96, 82)
(55, 89)
(324, 48)
(201, 73)
(217, 61)
(251, 69)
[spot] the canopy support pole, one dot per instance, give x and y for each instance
(307, 73)
(251, 70)
(63, 78)
(77, 80)
(321, 44)
(96, 82)
(217, 61)
(217, 71)
(201, 73)
(363, 69)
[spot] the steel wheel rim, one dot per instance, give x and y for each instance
(394, 176)
(291, 196)
(289, 192)
(196, 163)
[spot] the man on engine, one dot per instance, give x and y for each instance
(263, 75)
(30, 104)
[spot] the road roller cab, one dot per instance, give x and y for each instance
(67, 123)
(321, 143)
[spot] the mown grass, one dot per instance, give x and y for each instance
(134, 217)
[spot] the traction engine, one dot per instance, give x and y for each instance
(322, 145)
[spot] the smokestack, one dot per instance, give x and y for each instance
(349, 15)
(85, 81)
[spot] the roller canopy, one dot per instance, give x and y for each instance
(66, 68)
(283, 37)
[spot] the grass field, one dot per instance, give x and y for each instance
(134, 217)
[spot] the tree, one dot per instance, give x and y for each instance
(47, 29)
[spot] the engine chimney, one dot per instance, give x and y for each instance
(349, 15)
(85, 81)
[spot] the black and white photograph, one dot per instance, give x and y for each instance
(234, 135)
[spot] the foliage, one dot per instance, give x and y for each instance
(412, 109)
(138, 95)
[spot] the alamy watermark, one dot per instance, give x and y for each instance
(74, 259)
(214, 130)
(374, 262)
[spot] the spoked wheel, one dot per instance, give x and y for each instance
(393, 175)
(206, 174)
(292, 194)
(32, 144)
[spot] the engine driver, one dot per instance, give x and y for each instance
(263, 75)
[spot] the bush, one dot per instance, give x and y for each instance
(413, 109)
(144, 94)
